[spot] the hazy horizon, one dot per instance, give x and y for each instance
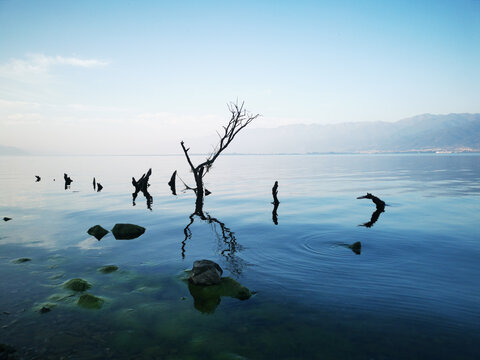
(136, 78)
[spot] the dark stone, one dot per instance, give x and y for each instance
(44, 310)
(97, 231)
(127, 231)
(90, 301)
(205, 272)
(77, 285)
(107, 269)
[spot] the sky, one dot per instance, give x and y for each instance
(137, 77)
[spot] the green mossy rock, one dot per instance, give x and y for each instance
(97, 231)
(107, 269)
(45, 308)
(127, 231)
(207, 298)
(21, 260)
(77, 285)
(89, 301)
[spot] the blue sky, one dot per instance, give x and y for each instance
(138, 76)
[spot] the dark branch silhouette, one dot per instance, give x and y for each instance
(228, 246)
(373, 219)
(227, 242)
(68, 181)
(97, 186)
(171, 183)
(380, 204)
(274, 213)
(240, 118)
(275, 203)
(142, 185)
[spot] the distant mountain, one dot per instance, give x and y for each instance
(452, 132)
(10, 150)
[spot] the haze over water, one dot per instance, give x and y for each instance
(411, 292)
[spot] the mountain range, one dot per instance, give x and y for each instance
(10, 150)
(422, 133)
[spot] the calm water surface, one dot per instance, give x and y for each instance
(411, 293)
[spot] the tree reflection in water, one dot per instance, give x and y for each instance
(227, 242)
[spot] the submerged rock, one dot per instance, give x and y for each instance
(77, 285)
(5, 350)
(205, 272)
(97, 231)
(127, 231)
(207, 298)
(45, 308)
(107, 269)
(89, 301)
(21, 260)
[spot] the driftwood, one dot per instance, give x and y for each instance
(380, 205)
(68, 181)
(172, 184)
(142, 185)
(275, 203)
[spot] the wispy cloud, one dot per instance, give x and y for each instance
(40, 64)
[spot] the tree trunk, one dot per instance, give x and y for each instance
(198, 175)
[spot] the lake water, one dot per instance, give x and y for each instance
(411, 292)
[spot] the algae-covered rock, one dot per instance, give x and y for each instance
(44, 308)
(97, 231)
(127, 231)
(205, 272)
(77, 285)
(207, 298)
(21, 260)
(90, 301)
(107, 269)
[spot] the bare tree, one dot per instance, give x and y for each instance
(240, 118)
